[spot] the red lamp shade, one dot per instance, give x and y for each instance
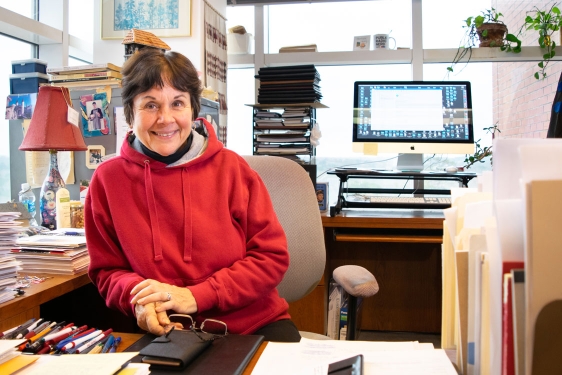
(49, 128)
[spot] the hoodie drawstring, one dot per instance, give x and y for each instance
(187, 226)
(152, 214)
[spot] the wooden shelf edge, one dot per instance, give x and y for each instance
(384, 238)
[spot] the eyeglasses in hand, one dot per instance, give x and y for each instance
(210, 329)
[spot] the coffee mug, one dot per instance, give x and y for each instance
(382, 41)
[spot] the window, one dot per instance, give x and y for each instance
(18, 51)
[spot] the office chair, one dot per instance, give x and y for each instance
(294, 200)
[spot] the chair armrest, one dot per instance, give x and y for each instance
(356, 281)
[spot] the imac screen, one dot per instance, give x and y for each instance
(431, 112)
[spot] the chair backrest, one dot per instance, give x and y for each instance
(294, 201)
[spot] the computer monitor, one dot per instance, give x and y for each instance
(412, 118)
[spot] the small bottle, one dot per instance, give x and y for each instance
(27, 197)
(76, 214)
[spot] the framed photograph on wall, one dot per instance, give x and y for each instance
(120, 16)
(94, 155)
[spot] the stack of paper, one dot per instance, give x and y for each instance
(314, 357)
(55, 253)
(9, 230)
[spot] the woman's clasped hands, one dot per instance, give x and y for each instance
(152, 299)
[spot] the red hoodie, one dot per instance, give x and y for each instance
(207, 224)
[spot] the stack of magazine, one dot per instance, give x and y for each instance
(85, 75)
(10, 228)
(59, 252)
(289, 84)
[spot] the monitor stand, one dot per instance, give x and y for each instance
(410, 162)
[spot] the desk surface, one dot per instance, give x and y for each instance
(381, 218)
(20, 309)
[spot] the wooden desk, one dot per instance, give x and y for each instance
(402, 248)
(21, 309)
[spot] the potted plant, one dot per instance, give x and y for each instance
(485, 30)
(546, 22)
(481, 153)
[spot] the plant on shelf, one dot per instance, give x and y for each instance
(482, 153)
(546, 22)
(485, 30)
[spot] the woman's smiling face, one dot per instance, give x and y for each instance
(162, 119)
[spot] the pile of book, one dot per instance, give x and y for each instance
(289, 84)
(60, 252)
(9, 266)
(282, 133)
(85, 75)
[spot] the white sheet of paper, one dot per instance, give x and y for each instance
(485, 182)
(121, 128)
(99, 364)
(476, 213)
(314, 356)
(510, 222)
(508, 165)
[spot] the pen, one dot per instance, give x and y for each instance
(108, 344)
(42, 332)
(97, 349)
(30, 328)
(16, 330)
(81, 331)
(92, 349)
(115, 345)
(79, 341)
(94, 340)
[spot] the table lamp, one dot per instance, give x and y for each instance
(49, 130)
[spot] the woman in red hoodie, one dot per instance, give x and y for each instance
(179, 224)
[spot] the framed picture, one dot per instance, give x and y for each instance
(95, 118)
(120, 16)
(322, 195)
(362, 43)
(94, 155)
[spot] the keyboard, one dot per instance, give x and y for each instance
(410, 202)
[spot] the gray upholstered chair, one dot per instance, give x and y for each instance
(294, 201)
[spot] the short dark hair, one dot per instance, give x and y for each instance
(151, 67)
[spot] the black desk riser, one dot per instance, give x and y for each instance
(345, 174)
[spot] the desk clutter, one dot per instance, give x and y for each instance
(61, 252)
(502, 285)
(22, 348)
(10, 228)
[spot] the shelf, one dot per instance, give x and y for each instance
(400, 56)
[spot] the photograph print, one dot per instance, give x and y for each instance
(163, 18)
(95, 118)
(20, 106)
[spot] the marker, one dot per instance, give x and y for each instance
(94, 340)
(77, 342)
(81, 331)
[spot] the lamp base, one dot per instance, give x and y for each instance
(53, 182)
